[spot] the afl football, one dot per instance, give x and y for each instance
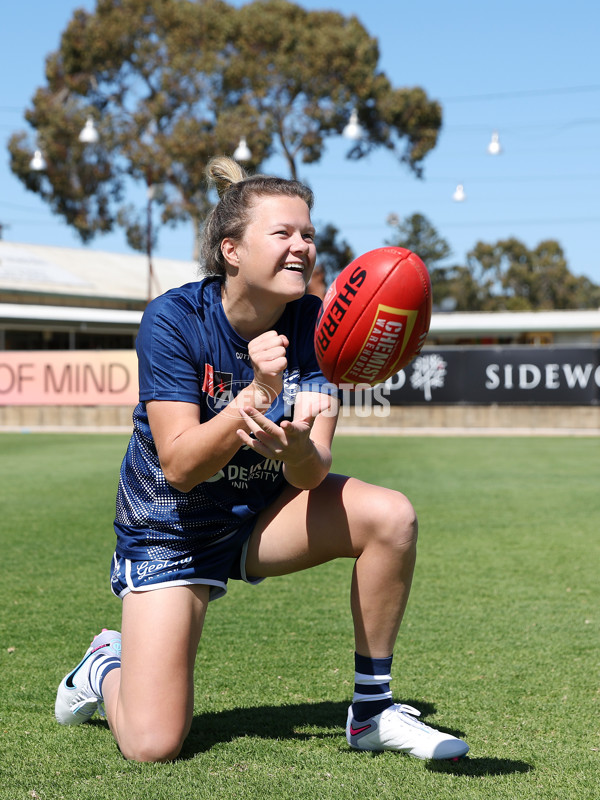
(375, 317)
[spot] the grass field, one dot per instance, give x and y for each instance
(500, 644)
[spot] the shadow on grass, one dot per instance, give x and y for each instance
(301, 721)
(479, 767)
(308, 720)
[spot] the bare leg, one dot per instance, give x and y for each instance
(149, 701)
(345, 517)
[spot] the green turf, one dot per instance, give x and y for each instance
(500, 642)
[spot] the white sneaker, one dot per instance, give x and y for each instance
(397, 728)
(76, 700)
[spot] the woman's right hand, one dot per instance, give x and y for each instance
(268, 358)
(191, 451)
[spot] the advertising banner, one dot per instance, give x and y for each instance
(68, 377)
(512, 375)
(448, 375)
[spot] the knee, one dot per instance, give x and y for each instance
(149, 747)
(395, 521)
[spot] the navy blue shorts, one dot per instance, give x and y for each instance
(225, 559)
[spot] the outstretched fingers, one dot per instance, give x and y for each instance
(289, 441)
(263, 435)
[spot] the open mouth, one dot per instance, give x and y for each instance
(291, 267)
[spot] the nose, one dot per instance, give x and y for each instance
(299, 244)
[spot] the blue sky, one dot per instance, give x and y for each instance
(529, 70)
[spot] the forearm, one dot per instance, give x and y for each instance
(191, 452)
(197, 454)
(308, 473)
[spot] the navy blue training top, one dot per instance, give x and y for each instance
(188, 351)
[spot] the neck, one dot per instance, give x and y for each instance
(247, 316)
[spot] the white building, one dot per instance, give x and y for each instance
(56, 298)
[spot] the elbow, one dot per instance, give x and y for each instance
(180, 486)
(177, 478)
(184, 480)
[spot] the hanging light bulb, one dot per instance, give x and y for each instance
(353, 129)
(89, 134)
(459, 195)
(38, 162)
(494, 147)
(242, 151)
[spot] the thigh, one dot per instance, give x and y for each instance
(335, 520)
(161, 630)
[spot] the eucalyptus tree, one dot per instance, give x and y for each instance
(169, 83)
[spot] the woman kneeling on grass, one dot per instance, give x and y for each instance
(227, 476)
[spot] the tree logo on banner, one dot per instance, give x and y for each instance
(429, 372)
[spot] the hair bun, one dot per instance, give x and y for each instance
(223, 172)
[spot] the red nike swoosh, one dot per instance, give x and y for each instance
(356, 731)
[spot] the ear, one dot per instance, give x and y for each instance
(228, 248)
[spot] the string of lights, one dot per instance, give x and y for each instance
(516, 137)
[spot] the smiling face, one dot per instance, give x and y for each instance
(276, 255)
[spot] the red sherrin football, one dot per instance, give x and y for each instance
(375, 317)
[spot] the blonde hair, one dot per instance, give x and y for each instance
(237, 193)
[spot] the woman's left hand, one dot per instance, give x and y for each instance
(289, 442)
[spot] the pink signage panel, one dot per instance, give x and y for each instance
(68, 377)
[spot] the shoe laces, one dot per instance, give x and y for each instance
(406, 709)
(84, 697)
(403, 708)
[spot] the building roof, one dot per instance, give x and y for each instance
(82, 272)
(23, 312)
(499, 322)
(454, 323)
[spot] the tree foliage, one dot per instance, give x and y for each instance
(333, 254)
(515, 278)
(416, 233)
(304, 71)
(505, 276)
(170, 83)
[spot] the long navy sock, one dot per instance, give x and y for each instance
(99, 669)
(372, 693)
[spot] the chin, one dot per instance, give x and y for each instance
(300, 293)
(290, 297)
(294, 292)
